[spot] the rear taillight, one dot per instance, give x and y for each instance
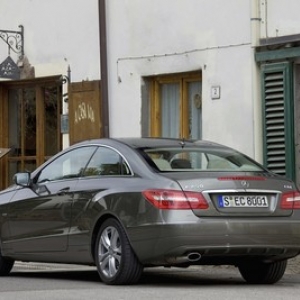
(290, 200)
(172, 199)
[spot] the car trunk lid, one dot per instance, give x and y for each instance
(237, 194)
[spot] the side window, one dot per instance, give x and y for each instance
(106, 161)
(68, 165)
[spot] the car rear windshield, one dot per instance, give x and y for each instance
(174, 159)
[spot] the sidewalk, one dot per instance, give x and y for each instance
(32, 266)
(293, 266)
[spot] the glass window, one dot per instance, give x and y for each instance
(195, 110)
(31, 113)
(175, 106)
(30, 122)
(52, 111)
(170, 95)
(106, 161)
(68, 165)
(190, 159)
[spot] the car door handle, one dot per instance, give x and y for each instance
(63, 191)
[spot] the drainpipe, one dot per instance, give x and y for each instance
(256, 88)
(104, 69)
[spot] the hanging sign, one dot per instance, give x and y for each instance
(9, 69)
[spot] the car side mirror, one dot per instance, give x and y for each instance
(22, 179)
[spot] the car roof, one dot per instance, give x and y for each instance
(161, 142)
(148, 142)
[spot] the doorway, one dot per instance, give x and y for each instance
(30, 124)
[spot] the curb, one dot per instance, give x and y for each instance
(32, 266)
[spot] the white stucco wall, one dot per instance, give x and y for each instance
(280, 18)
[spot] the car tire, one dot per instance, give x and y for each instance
(116, 262)
(263, 273)
(5, 265)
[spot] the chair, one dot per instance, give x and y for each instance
(162, 164)
(181, 163)
(220, 165)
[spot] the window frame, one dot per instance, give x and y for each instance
(85, 152)
(183, 79)
(121, 164)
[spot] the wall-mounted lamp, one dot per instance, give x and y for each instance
(14, 40)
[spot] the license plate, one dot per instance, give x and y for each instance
(243, 201)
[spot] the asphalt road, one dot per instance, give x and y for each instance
(61, 282)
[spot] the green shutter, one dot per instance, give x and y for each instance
(278, 119)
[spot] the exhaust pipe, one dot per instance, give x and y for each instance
(194, 256)
(190, 257)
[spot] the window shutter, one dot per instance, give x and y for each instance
(278, 119)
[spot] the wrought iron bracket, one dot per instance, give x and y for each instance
(14, 40)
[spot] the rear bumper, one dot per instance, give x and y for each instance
(217, 241)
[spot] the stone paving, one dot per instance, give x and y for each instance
(294, 265)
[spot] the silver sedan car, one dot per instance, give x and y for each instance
(126, 204)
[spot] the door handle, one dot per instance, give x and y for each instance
(63, 191)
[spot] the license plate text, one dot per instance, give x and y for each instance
(243, 201)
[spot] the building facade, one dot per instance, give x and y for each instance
(225, 71)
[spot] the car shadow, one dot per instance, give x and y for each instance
(194, 276)
(151, 276)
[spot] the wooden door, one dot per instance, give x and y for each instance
(29, 124)
(84, 111)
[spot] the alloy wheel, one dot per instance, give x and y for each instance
(110, 251)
